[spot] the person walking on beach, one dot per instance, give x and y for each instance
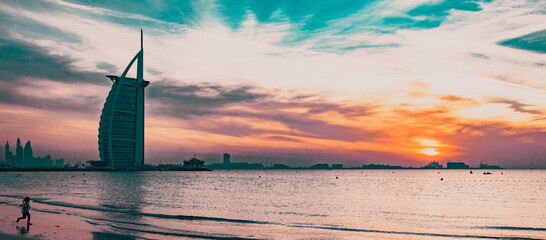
(24, 210)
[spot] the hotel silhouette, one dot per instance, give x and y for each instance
(121, 127)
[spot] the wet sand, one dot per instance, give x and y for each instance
(45, 225)
(13, 237)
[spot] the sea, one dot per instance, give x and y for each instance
(283, 204)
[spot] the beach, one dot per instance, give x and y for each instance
(46, 225)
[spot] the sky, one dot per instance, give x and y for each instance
(399, 82)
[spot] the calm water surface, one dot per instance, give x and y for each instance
(294, 204)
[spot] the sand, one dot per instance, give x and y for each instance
(46, 224)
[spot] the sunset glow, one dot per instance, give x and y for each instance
(430, 152)
(429, 143)
(387, 82)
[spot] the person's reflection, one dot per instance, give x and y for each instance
(23, 230)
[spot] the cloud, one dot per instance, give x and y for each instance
(518, 107)
(282, 138)
(28, 67)
(107, 67)
(20, 60)
(406, 22)
(192, 100)
(34, 29)
(209, 103)
(479, 55)
(81, 104)
(305, 125)
(501, 144)
(442, 8)
(535, 41)
(453, 98)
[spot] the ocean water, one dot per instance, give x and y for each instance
(290, 204)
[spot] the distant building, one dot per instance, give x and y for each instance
(320, 166)
(433, 165)
(95, 164)
(4, 165)
(28, 156)
(18, 154)
(227, 164)
(457, 165)
(6, 152)
(380, 166)
(337, 166)
(46, 162)
(59, 163)
(194, 163)
(280, 166)
(487, 166)
(239, 165)
(8, 156)
(227, 159)
(121, 126)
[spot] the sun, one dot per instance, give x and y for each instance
(430, 151)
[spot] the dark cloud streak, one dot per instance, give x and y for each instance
(518, 107)
(21, 63)
(188, 102)
(535, 41)
(20, 60)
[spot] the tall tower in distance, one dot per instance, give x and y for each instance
(227, 159)
(18, 154)
(121, 126)
(29, 158)
(8, 156)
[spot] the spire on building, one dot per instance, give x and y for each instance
(121, 126)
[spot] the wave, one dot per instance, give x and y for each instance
(516, 228)
(109, 235)
(47, 211)
(424, 234)
(175, 232)
(112, 209)
(183, 234)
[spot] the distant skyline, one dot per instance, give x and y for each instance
(18, 156)
(294, 82)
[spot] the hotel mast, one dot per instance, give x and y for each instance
(121, 127)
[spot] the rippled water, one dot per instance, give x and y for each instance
(292, 204)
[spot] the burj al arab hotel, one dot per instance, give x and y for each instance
(121, 127)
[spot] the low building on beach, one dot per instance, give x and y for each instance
(457, 165)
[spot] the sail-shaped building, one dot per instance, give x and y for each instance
(121, 127)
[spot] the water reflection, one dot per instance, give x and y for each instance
(121, 193)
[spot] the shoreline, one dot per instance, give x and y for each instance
(47, 223)
(238, 169)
